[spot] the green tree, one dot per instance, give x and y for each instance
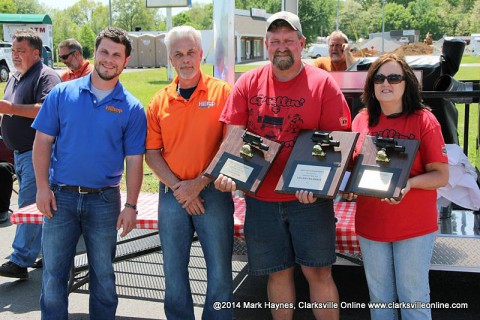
(317, 17)
(425, 17)
(63, 27)
(356, 22)
(200, 17)
(29, 7)
(87, 39)
(397, 17)
(474, 21)
(129, 14)
(7, 6)
(99, 19)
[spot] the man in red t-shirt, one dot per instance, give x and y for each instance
(276, 102)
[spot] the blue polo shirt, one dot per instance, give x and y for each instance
(92, 137)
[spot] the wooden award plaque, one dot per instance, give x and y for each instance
(318, 162)
(245, 158)
(382, 167)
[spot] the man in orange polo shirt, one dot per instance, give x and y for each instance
(339, 55)
(183, 136)
(70, 52)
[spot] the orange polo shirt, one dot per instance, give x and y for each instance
(187, 132)
(326, 64)
(85, 69)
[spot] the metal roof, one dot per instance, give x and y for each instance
(25, 18)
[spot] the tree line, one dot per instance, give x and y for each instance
(356, 18)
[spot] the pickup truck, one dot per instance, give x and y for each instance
(6, 63)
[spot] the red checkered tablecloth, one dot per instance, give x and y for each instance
(147, 218)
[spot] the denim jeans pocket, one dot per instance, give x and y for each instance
(110, 195)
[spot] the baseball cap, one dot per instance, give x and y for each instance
(289, 17)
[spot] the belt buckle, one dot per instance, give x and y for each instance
(80, 190)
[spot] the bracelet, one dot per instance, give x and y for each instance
(129, 205)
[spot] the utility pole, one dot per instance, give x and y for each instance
(383, 26)
(110, 12)
(338, 15)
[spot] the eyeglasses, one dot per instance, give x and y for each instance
(391, 78)
(336, 45)
(65, 56)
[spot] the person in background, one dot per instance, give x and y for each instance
(340, 57)
(94, 126)
(276, 101)
(24, 94)
(7, 172)
(397, 237)
(182, 121)
(70, 52)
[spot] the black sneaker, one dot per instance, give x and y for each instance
(38, 264)
(11, 270)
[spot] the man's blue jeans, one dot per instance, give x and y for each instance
(95, 216)
(28, 236)
(398, 271)
(215, 233)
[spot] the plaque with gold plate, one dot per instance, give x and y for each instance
(318, 162)
(382, 167)
(245, 158)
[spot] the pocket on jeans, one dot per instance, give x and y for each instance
(110, 195)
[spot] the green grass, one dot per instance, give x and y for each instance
(469, 73)
(143, 84)
(470, 59)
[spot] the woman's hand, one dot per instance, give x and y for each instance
(403, 192)
(305, 196)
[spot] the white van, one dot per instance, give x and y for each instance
(318, 50)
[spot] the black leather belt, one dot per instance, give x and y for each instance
(85, 190)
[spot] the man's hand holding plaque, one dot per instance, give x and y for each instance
(382, 167)
(317, 163)
(243, 160)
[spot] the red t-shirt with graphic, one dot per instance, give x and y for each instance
(279, 110)
(416, 214)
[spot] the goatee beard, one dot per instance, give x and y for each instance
(283, 63)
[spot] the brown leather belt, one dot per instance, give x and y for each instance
(85, 190)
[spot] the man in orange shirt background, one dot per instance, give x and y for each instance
(340, 57)
(70, 52)
(183, 136)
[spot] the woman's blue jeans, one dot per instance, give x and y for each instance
(214, 229)
(398, 271)
(95, 216)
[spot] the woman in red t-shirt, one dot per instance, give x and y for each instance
(397, 237)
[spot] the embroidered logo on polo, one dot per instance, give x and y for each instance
(113, 109)
(206, 104)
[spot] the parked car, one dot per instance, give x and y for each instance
(404, 40)
(318, 50)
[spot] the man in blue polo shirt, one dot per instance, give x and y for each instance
(96, 124)
(24, 94)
